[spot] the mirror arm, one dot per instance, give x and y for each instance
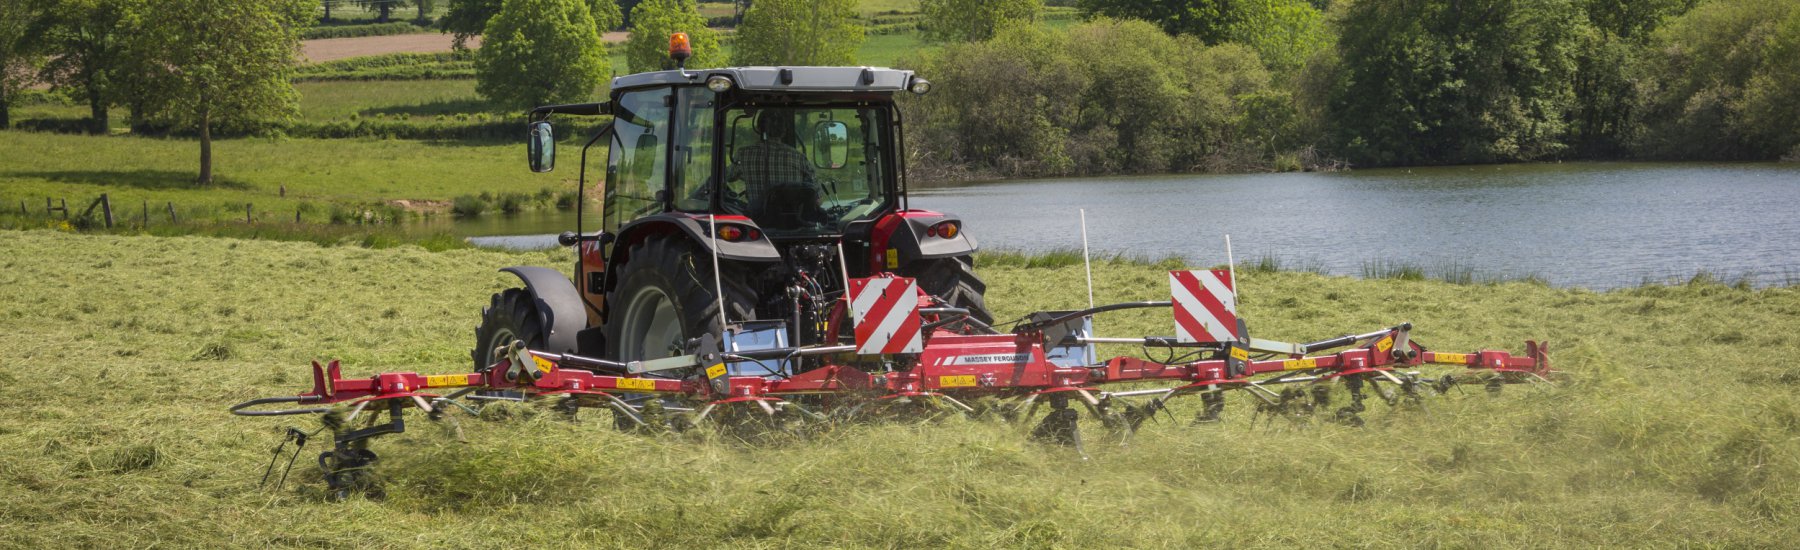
(578, 109)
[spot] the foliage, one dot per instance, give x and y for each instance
(1102, 97)
(22, 25)
(1284, 33)
(538, 52)
(393, 66)
(223, 64)
(652, 21)
(975, 20)
(1713, 73)
(798, 32)
(1424, 82)
(469, 18)
(358, 31)
(91, 45)
(383, 8)
(1212, 21)
(1635, 441)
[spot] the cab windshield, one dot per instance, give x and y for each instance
(804, 170)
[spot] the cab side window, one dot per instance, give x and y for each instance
(636, 163)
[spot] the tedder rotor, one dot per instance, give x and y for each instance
(757, 260)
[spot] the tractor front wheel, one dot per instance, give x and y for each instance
(512, 314)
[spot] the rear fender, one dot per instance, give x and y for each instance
(695, 226)
(558, 305)
(907, 235)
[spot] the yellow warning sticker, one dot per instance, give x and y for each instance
(1300, 364)
(543, 364)
(448, 380)
(1240, 354)
(960, 381)
(715, 371)
(893, 259)
(1384, 344)
(1451, 358)
(636, 384)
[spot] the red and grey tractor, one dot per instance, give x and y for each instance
(736, 203)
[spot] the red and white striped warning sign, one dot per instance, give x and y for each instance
(1205, 307)
(885, 311)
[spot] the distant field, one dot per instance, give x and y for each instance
(123, 353)
(319, 172)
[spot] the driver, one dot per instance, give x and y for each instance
(772, 168)
(773, 159)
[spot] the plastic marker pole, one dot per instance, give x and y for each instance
(712, 226)
(1085, 263)
(1231, 264)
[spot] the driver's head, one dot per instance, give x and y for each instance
(776, 125)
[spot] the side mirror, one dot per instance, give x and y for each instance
(830, 144)
(540, 147)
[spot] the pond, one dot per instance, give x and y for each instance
(1596, 225)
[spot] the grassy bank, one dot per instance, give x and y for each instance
(121, 353)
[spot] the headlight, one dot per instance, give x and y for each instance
(718, 83)
(920, 86)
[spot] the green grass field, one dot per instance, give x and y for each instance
(253, 170)
(1679, 425)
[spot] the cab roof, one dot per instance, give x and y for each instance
(777, 79)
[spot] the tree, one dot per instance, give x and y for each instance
(973, 20)
(798, 32)
(537, 52)
(90, 40)
(1431, 82)
(383, 8)
(1710, 76)
(425, 7)
(22, 25)
(223, 64)
(468, 18)
(1284, 33)
(1209, 20)
(652, 21)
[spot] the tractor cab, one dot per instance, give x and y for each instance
(736, 199)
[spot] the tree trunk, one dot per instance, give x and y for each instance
(205, 149)
(327, 4)
(5, 109)
(385, 8)
(97, 111)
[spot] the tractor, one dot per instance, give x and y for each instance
(736, 203)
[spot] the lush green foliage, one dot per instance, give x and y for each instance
(95, 48)
(975, 20)
(652, 21)
(539, 52)
(21, 51)
(1212, 21)
(798, 32)
(1720, 82)
(357, 31)
(394, 66)
(221, 64)
(121, 422)
(1425, 82)
(1102, 97)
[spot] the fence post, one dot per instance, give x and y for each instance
(22, 211)
(146, 213)
(247, 214)
(63, 205)
(296, 214)
(106, 209)
(172, 212)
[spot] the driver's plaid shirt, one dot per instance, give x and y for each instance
(769, 163)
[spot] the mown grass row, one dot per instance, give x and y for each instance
(122, 353)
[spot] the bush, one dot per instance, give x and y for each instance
(468, 206)
(358, 31)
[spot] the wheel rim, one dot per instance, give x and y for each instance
(502, 336)
(651, 326)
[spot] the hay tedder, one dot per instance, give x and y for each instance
(758, 268)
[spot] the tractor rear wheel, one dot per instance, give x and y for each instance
(512, 314)
(952, 280)
(665, 297)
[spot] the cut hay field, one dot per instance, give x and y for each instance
(1679, 426)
